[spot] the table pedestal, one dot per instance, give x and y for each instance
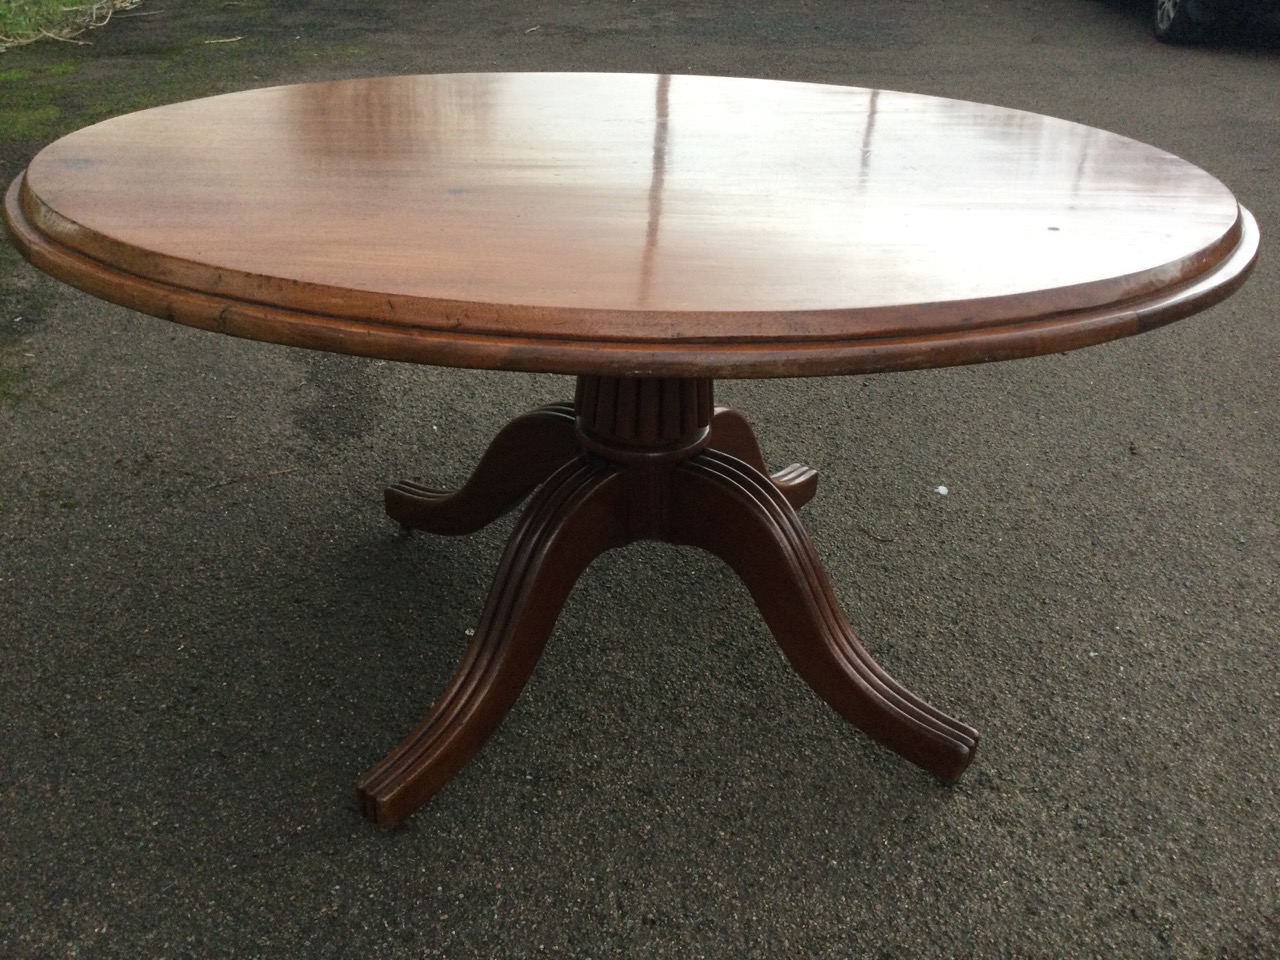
(635, 459)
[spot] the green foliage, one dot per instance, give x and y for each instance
(31, 122)
(29, 111)
(22, 21)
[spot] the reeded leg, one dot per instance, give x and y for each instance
(571, 521)
(732, 434)
(733, 511)
(523, 454)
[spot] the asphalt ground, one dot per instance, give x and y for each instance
(208, 629)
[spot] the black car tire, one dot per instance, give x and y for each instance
(1173, 22)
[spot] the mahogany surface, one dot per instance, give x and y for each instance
(647, 234)
(632, 224)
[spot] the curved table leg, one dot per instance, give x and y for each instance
(734, 512)
(574, 518)
(523, 454)
(731, 433)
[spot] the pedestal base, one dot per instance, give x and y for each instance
(636, 459)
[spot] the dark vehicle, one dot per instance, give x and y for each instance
(1189, 21)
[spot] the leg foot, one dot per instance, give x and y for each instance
(731, 433)
(735, 512)
(572, 520)
(523, 454)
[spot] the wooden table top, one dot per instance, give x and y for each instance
(626, 224)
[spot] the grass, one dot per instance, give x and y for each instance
(24, 21)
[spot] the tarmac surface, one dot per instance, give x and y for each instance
(208, 629)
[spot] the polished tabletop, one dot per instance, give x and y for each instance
(630, 224)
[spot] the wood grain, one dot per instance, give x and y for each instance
(632, 224)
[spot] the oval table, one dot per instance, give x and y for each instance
(647, 234)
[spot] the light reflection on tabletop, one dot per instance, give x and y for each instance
(634, 192)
